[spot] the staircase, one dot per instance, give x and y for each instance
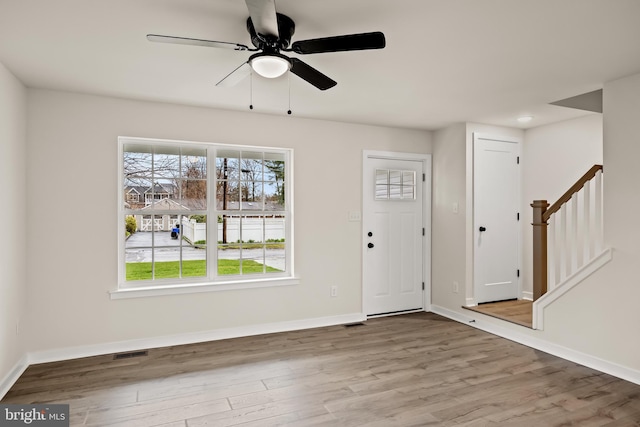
(568, 241)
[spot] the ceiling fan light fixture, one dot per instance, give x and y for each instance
(270, 65)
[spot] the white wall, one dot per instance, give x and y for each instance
(72, 149)
(448, 231)
(13, 176)
(553, 158)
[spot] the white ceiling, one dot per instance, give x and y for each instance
(446, 61)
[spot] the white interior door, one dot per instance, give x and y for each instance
(496, 196)
(393, 235)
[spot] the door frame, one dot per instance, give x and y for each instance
(426, 160)
(470, 299)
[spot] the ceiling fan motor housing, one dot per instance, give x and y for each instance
(286, 29)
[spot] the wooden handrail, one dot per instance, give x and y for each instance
(574, 189)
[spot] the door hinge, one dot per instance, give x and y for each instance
(423, 286)
(518, 160)
(518, 215)
(423, 231)
(518, 273)
(424, 177)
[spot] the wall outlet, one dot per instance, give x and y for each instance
(334, 291)
(355, 216)
(456, 287)
(455, 208)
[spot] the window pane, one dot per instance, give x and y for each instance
(194, 163)
(274, 167)
(252, 230)
(252, 236)
(409, 177)
(382, 176)
(228, 259)
(274, 229)
(408, 192)
(395, 192)
(136, 164)
(166, 263)
(227, 164)
(252, 196)
(166, 167)
(253, 261)
(192, 234)
(382, 184)
(252, 166)
(274, 196)
(382, 191)
(395, 177)
(228, 195)
(135, 193)
(193, 194)
(408, 184)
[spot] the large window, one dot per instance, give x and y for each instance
(210, 214)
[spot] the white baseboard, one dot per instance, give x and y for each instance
(526, 295)
(10, 379)
(470, 302)
(189, 338)
(584, 359)
(69, 353)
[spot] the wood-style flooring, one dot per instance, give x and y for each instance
(412, 370)
(515, 311)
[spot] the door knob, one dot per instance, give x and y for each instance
(370, 245)
(483, 229)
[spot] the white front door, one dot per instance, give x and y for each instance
(393, 235)
(496, 196)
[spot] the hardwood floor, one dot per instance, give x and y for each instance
(411, 370)
(516, 311)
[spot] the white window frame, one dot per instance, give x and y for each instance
(212, 282)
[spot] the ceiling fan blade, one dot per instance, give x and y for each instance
(362, 41)
(195, 42)
(263, 16)
(311, 75)
(234, 77)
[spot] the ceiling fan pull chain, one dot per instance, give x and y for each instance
(289, 83)
(251, 91)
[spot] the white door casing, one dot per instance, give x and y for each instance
(496, 231)
(394, 262)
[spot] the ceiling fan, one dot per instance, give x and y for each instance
(271, 34)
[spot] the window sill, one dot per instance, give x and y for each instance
(152, 291)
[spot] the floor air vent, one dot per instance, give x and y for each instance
(350, 325)
(130, 354)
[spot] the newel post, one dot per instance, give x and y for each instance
(539, 248)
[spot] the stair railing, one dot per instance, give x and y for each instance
(568, 234)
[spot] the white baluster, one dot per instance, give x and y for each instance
(599, 244)
(562, 243)
(587, 234)
(552, 270)
(575, 247)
